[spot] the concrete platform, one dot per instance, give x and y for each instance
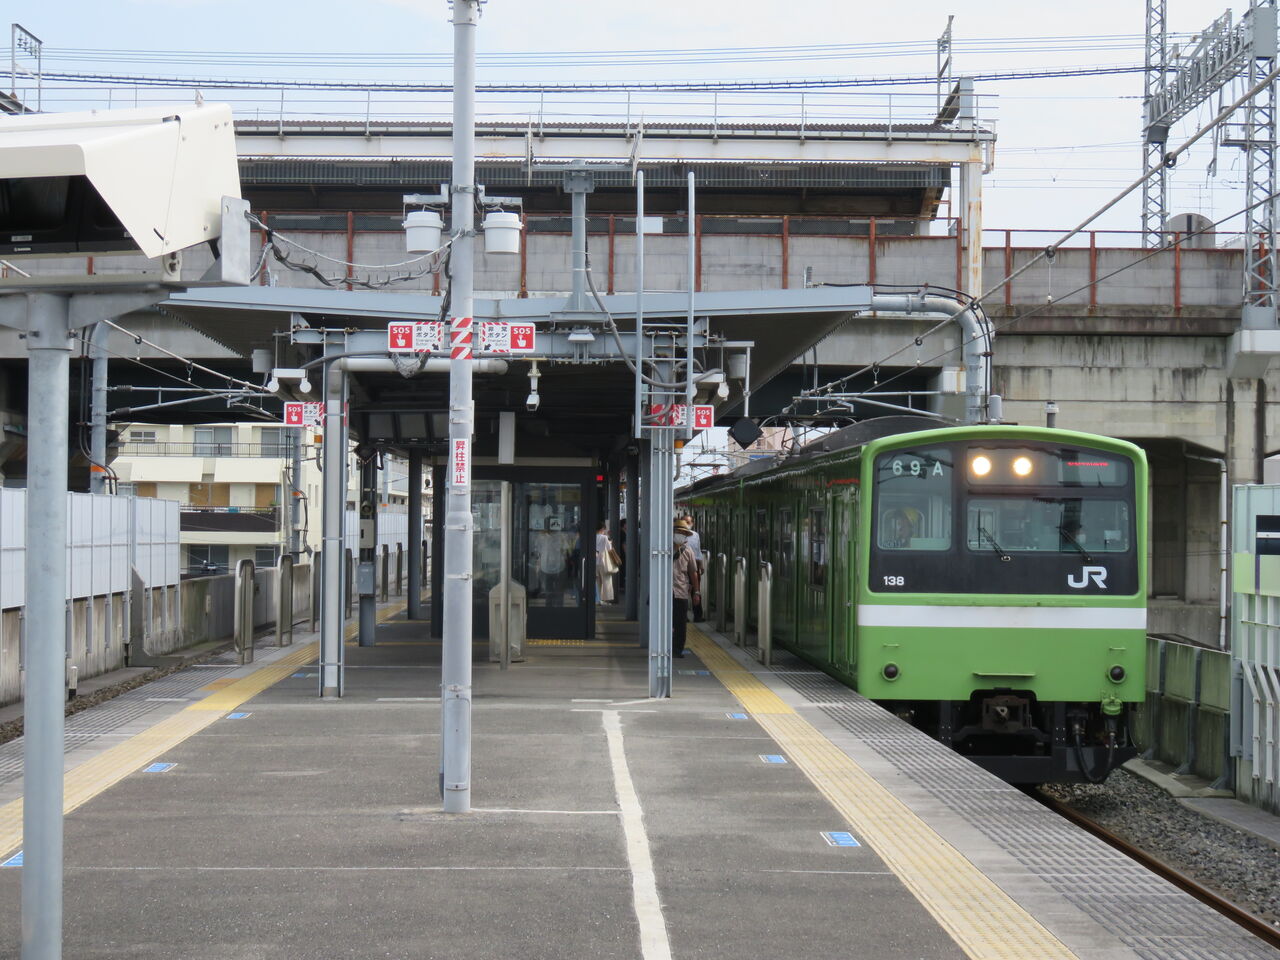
(606, 825)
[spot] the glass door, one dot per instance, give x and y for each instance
(550, 560)
(549, 555)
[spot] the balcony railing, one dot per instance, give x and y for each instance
(146, 448)
(229, 519)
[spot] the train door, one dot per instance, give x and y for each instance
(784, 576)
(758, 554)
(841, 587)
(814, 619)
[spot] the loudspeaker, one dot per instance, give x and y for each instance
(745, 432)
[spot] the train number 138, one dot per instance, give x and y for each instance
(895, 581)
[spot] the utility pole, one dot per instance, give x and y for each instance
(455, 673)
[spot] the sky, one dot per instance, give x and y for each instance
(1066, 145)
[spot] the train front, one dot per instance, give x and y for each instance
(1003, 607)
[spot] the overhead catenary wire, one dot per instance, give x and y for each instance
(1183, 238)
(1051, 249)
(791, 83)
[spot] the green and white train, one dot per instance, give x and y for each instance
(986, 583)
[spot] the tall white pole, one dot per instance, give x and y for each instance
(49, 363)
(455, 674)
(98, 409)
(332, 556)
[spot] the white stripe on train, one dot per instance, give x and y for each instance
(1025, 618)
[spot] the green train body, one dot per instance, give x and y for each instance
(986, 583)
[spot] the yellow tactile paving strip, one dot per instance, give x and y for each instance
(983, 920)
(92, 777)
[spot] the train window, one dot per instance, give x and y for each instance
(818, 547)
(762, 532)
(786, 543)
(913, 499)
(1049, 524)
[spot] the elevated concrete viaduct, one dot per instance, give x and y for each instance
(1128, 342)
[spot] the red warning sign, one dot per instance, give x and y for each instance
(704, 417)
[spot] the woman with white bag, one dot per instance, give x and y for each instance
(606, 564)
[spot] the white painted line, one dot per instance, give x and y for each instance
(343, 869)
(628, 703)
(556, 813)
(602, 710)
(166, 699)
(644, 885)
(408, 700)
(588, 700)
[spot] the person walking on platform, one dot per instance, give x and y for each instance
(685, 584)
(695, 544)
(606, 566)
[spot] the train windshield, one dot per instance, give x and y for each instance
(1004, 515)
(1049, 524)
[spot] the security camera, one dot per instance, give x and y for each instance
(532, 401)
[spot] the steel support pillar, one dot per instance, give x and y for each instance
(295, 495)
(633, 555)
(333, 555)
(455, 671)
(414, 575)
(971, 204)
(98, 409)
(643, 547)
(366, 578)
(48, 389)
(1155, 189)
(659, 494)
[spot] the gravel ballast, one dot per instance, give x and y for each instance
(1234, 863)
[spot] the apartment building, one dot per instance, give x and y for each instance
(234, 484)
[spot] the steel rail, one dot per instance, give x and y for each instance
(1260, 928)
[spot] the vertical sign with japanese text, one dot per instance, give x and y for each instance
(460, 463)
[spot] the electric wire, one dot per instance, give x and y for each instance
(793, 83)
(1050, 251)
(1032, 311)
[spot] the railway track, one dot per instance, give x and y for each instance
(1259, 927)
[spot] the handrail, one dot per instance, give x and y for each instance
(764, 614)
(722, 591)
(740, 601)
(284, 601)
(245, 588)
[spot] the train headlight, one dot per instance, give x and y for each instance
(1116, 674)
(1022, 466)
(980, 466)
(890, 671)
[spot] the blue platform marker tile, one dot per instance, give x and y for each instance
(773, 758)
(158, 767)
(236, 716)
(736, 716)
(841, 838)
(14, 861)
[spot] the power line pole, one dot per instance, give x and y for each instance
(1154, 136)
(455, 674)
